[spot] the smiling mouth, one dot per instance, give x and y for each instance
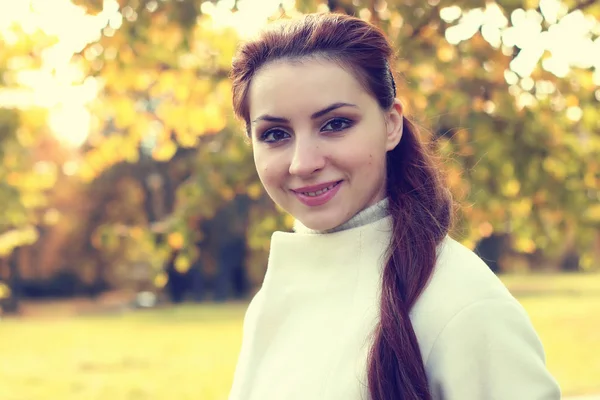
(320, 191)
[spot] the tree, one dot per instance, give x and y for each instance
(166, 96)
(520, 137)
(24, 180)
(520, 128)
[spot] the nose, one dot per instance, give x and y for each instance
(307, 158)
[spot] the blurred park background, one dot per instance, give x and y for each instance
(133, 227)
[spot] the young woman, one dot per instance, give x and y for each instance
(368, 297)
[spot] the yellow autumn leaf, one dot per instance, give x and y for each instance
(13, 178)
(420, 102)
(288, 220)
(33, 200)
(236, 154)
(17, 237)
(4, 291)
(254, 190)
(478, 104)
(165, 83)
(586, 262)
(165, 111)
(591, 181)
(51, 217)
(572, 100)
(593, 213)
(142, 81)
(186, 138)
(223, 91)
(139, 130)
(126, 55)
(446, 52)
(136, 232)
(227, 193)
(555, 167)
(161, 280)
(164, 151)
(181, 92)
(461, 136)
(485, 229)
(469, 243)
(214, 118)
(532, 4)
(522, 208)
(34, 118)
(173, 118)
(525, 245)
(176, 240)
(172, 37)
(511, 188)
(125, 114)
(130, 153)
(182, 264)
(466, 150)
(196, 120)
(86, 173)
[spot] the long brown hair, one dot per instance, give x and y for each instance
(419, 203)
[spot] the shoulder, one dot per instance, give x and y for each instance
(489, 350)
(461, 281)
(476, 339)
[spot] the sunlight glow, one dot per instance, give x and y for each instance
(250, 17)
(450, 14)
(567, 41)
(552, 10)
(60, 85)
(468, 25)
(57, 84)
(574, 113)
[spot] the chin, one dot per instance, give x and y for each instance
(320, 224)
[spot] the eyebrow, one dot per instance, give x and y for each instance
(315, 115)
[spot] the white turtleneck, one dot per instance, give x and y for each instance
(307, 332)
(370, 214)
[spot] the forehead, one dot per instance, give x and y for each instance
(287, 87)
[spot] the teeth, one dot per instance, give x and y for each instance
(319, 192)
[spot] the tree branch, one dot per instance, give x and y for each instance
(374, 14)
(584, 4)
(432, 16)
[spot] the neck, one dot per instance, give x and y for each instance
(370, 214)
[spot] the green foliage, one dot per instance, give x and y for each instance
(24, 179)
(515, 159)
(521, 152)
(22, 185)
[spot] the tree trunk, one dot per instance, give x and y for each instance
(11, 305)
(491, 249)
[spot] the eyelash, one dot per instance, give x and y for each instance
(349, 123)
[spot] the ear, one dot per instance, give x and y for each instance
(394, 125)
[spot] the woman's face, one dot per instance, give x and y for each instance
(320, 140)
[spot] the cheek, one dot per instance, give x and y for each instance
(365, 159)
(376, 163)
(370, 167)
(268, 170)
(261, 165)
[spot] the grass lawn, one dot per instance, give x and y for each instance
(565, 310)
(182, 353)
(189, 352)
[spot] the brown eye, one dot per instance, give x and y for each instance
(336, 125)
(274, 136)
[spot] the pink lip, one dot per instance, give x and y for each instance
(314, 201)
(314, 188)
